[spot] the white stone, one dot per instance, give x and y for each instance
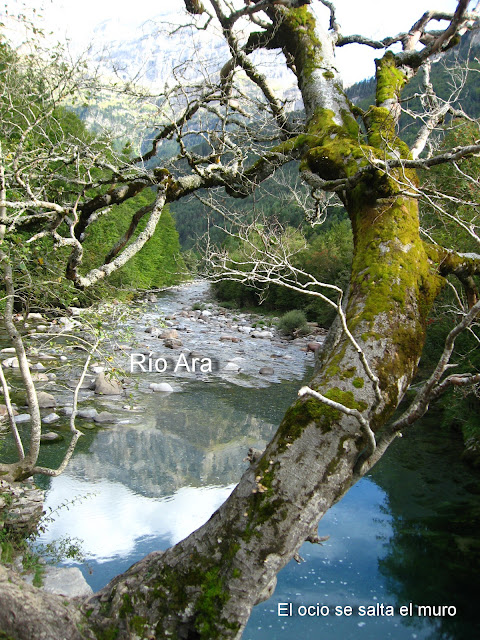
(52, 417)
(262, 334)
(164, 387)
(231, 366)
(22, 417)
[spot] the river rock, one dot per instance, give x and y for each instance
(107, 387)
(63, 581)
(313, 346)
(50, 436)
(123, 347)
(244, 329)
(10, 363)
(163, 387)
(8, 350)
(266, 371)
(38, 367)
(231, 366)
(105, 417)
(206, 313)
(153, 331)
(3, 411)
(87, 383)
(229, 339)
(22, 417)
(68, 324)
(262, 334)
(169, 334)
(40, 377)
(75, 311)
(88, 413)
(172, 343)
(52, 417)
(46, 400)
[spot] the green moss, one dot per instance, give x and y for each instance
(107, 634)
(390, 79)
(213, 597)
(138, 624)
(358, 383)
(328, 75)
(127, 606)
(298, 31)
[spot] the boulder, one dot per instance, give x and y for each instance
(105, 417)
(107, 386)
(67, 582)
(51, 436)
(46, 400)
(88, 413)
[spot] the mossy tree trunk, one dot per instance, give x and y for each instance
(206, 586)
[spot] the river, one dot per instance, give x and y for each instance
(405, 534)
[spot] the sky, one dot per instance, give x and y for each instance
(373, 18)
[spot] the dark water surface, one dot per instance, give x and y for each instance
(408, 533)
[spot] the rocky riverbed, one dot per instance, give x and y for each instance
(156, 347)
(175, 342)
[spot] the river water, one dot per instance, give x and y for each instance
(405, 535)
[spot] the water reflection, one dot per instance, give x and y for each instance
(434, 552)
(110, 518)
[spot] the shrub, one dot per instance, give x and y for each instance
(292, 322)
